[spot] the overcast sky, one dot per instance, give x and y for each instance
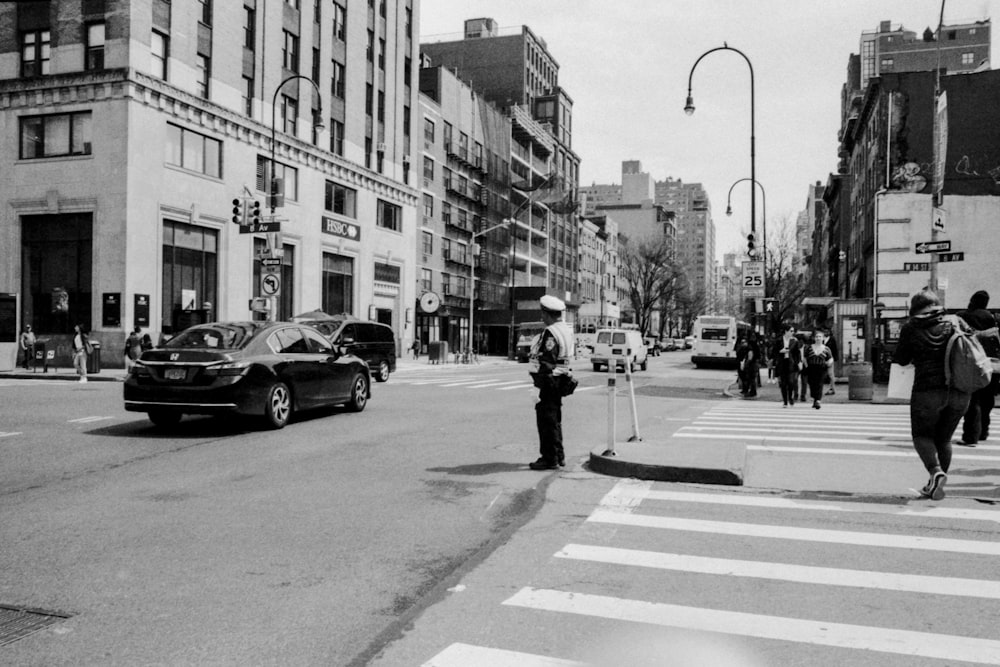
(625, 64)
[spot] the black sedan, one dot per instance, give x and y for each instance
(260, 369)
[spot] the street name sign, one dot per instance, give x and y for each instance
(933, 246)
(753, 279)
(916, 266)
(952, 257)
(260, 228)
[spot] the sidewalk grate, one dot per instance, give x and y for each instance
(17, 622)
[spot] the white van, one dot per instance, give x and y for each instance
(621, 344)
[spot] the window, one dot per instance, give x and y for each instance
(206, 11)
(316, 11)
(445, 212)
(289, 115)
(35, 52)
(446, 284)
(409, 22)
(194, 152)
(159, 52)
(407, 70)
(55, 135)
(249, 28)
(57, 290)
(368, 152)
(446, 248)
(290, 52)
(886, 64)
(340, 199)
(94, 58)
(368, 101)
(337, 82)
(204, 65)
(428, 130)
(428, 168)
(338, 283)
(427, 243)
(428, 205)
(315, 64)
(370, 49)
(967, 58)
(426, 279)
(190, 265)
(339, 22)
(462, 285)
(390, 216)
(387, 273)
(381, 106)
(248, 95)
(288, 175)
(336, 137)
(294, 4)
(381, 54)
(381, 8)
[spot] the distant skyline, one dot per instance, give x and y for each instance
(626, 67)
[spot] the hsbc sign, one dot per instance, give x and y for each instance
(340, 228)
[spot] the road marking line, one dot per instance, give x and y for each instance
(5, 434)
(802, 574)
(517, 386)
(923, 511)
(580, 389)
(463, 655)
(842, 635)
(895, 541)
(86, 420)
(854, 452)
(467, 382)
(497, 384)
(787, 428)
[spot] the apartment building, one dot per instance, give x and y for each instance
(129, 127)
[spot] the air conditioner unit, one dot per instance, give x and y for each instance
(380, 147)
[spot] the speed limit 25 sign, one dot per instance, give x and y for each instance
(753, 279)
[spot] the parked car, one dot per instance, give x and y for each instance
(679, 343)
(689, 342)
(372, 341)
(667, 345)
(260, 369)
(624, 345)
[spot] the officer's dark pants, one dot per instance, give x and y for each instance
(548, 417)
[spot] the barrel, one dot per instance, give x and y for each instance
(859, 381)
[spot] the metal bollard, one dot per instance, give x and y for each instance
(612, 377)
(631, 396)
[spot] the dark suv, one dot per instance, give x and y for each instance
(371, 341)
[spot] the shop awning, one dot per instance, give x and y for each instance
(821, 301)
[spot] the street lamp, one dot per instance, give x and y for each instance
(763, 226)
(317, 125)
(689, 109)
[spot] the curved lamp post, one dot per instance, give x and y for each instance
(689, 109)
(763, 226)
(317, 124)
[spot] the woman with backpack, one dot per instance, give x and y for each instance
(935, 408)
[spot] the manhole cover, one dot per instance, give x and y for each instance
(17, 622)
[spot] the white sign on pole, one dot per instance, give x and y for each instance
(270, 284)
(753, 279)
(938, 220)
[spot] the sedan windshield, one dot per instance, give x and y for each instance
(214, 337)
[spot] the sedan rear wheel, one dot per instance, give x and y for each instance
(359, 393)
(382, 374)
(278, 408)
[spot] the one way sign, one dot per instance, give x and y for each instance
(933, 246)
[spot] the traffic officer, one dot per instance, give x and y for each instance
(550, 357)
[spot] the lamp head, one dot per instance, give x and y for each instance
(689, 107)
(729, 209)
(318, 121)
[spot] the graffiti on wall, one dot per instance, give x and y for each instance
(910, 177)
(978, 167)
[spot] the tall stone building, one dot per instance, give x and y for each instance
(129, 126)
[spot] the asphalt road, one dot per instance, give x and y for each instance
(222, 544)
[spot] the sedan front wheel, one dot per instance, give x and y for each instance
(359, 393)
(278, 408)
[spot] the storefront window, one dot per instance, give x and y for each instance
(338, 284)
(190, 275)
(56, 253)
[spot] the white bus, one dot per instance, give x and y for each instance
(715, 339)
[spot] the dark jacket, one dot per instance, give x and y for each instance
(922, 342)
(785, 363)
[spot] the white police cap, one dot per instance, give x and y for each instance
(549, 302)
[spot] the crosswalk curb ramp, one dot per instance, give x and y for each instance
(705, 463)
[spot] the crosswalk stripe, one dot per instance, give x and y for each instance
(463, 655)
(884, 640)
(887, 540)
(523, 385)
(802, 574)
(816, 421)
(496, 385)
(86, 420)
(960, 452)
(959, 456)
(745, 500)
(6, 434)
(783, 428)
(467, 383)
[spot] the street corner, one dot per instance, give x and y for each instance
(677, 461)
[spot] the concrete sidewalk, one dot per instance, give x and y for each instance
(662, 458)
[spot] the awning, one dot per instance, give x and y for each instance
(821, 301)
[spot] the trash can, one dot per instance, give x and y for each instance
(41, 359)
(94, 358)
(859, 381)
(437, 352)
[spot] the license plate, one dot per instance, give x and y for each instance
(175, 374)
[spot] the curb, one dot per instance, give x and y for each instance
(722, 465)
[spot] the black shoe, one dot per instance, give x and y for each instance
(984, 436)
(816, 404)
(963, 441)
(543, 464)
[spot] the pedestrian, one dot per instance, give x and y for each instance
(28, 346)
(147, 342)
(551, 374)
(752, 365)
(133, 348)
(831, 342)
(805, 339)
(935, 408)
(415, 348)
(742, 350)
(976, 425)
(81, 348)
(819, 358)
(787, 355)
(768, 350)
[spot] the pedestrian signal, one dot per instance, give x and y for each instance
(751, 246)
(239, 211)
(255, 212)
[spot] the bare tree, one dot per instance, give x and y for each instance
(782, 279)
(653, 275)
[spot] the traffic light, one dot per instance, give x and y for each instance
(240, 211)
(751, 246)
(254, 212)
